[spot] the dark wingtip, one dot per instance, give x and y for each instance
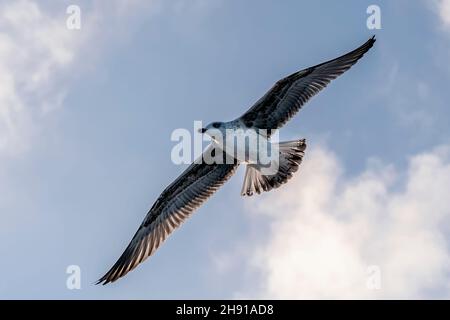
(370, 42)
(101, 281)
(104, 280)
(366, 46)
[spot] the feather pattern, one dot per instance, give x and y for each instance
(289, 94)
(200, 180)
(291, 156)
(176, 203)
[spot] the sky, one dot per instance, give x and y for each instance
(86, 117)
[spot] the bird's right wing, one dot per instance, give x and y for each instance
(289, 94)
(176, 203)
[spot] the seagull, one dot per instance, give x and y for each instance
(200, 180)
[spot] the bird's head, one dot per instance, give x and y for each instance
(213, 126)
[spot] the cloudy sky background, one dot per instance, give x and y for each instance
(85, 124)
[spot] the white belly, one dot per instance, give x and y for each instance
(245, 145)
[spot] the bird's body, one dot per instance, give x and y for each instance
(202, 178)
(241, 142)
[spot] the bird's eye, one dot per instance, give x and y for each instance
(216, 125)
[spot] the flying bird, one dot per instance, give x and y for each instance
(200, 180)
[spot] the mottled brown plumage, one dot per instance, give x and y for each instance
(289, 94)
(200, 180)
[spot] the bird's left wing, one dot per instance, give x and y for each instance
(289, 94)
(176, 203)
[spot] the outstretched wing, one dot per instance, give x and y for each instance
(288, 95)
(176, 203)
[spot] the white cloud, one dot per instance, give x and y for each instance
(38, 55)
(326, 229)
(443, 9)
(32, 46)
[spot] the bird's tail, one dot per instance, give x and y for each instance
(291, 156)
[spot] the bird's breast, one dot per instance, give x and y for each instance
(244, 145)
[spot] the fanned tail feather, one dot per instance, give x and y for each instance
(291, 156)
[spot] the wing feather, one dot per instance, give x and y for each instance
(289, 94)
(175, 204)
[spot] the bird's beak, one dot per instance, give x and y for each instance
(202, 130)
